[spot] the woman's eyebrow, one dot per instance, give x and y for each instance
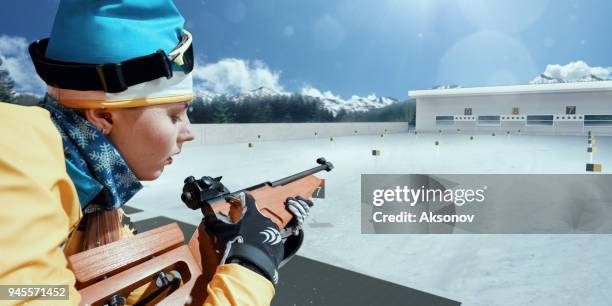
(180, 106)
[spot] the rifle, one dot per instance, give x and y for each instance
(107, 274)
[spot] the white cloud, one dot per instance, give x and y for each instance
(16, 60)
(11, 46)
(575, 71)
(233, 75)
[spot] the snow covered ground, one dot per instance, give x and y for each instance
(472, 269)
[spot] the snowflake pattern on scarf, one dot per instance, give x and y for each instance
(90, 151)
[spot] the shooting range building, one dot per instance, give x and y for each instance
(558, 108)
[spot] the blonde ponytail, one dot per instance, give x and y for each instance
(103, 227)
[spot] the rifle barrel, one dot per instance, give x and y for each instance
(324, 165)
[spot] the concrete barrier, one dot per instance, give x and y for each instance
(564, 129)
(208, 134)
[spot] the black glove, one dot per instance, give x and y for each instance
(253, 241)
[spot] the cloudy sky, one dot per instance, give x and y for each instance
(359, 47)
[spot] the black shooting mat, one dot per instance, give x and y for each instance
(130, 210)
(305, 281)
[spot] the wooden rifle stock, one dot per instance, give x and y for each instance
(109, 273)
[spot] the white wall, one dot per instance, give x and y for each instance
(247, 132)
(587, 103)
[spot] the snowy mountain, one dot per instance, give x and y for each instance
(207, 96)
(330, 101)
(447, 87)
(545, 79)
(262, 92)
(354, 104)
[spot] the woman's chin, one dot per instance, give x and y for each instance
(150, 176)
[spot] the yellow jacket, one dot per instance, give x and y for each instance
(39, 207)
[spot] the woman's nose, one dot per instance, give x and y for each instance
(186, 133)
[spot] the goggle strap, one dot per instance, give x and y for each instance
(111, 78)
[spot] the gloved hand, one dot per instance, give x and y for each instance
(293, 234)
(253, 241)
(300, 208)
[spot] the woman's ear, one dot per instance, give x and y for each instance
(100, 118)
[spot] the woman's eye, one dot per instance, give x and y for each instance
(178, 116)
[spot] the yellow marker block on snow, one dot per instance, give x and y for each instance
(251, 145)
(592, 150)
(375, 152)
(593, 167)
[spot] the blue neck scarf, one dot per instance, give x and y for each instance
(92, 154)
